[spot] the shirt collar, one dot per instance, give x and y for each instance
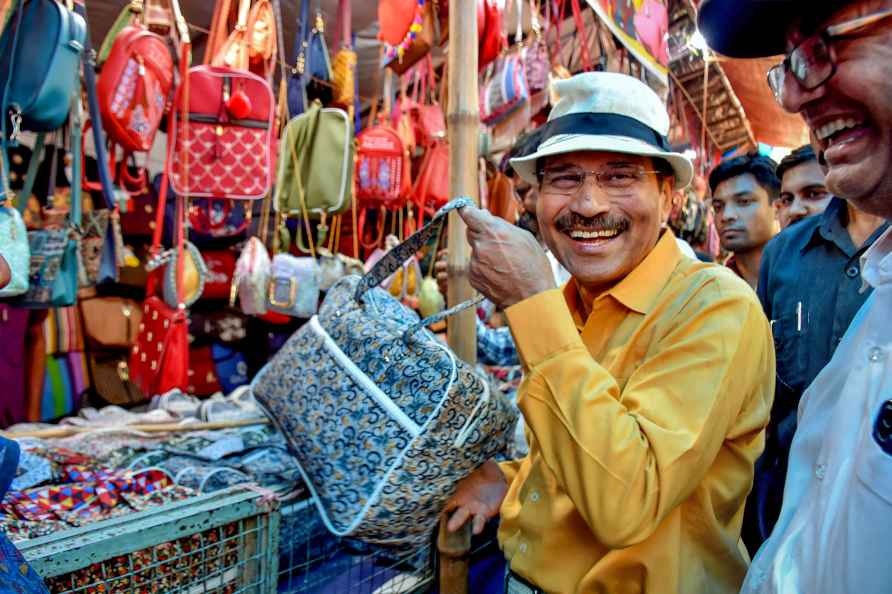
(833, 228)
(876, 263)
(640, 288)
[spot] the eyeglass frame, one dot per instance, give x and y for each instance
(827, 35)
(640, 171)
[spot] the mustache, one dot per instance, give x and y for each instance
(605, 222)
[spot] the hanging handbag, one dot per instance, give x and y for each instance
(230, 150)
(382, 418)
(53, 270)
(220, 271)
(502, 201)
(427, 114)
(506, 91)
(407, 29)
(311, 75)
(92, 242)
(134, 87)
(383, 169)
(252, 277)
(40, 52)
(159, 361)
(344, 63)
(293, 286)
(252, 45)
(431, 191)
(316, 159)
(110, 322)
(492, 38)
(194, 275)
(15, 251)
(536, 60)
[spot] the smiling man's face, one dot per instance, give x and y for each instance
(601, 236)
(850, 115)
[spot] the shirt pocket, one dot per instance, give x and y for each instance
(873, 464)
(788, 347)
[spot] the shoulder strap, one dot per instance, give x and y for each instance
(89, 62)
(31, 175)
(76, 160)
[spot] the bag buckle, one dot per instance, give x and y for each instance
(16, 119)
(292, 292)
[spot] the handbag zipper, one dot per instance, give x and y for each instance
(203, 118)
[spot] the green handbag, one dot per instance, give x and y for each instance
(319, 145)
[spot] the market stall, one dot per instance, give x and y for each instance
(217, 173)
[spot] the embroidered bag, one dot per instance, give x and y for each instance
(293, 286)
(134, 87)
(382, 418)
(506, 90)
(383, 169)
(230, 149)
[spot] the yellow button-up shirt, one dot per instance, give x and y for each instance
(644, 423)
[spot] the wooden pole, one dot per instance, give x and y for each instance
(463, 119)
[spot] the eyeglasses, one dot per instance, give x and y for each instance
(813, 62)
(613, 180)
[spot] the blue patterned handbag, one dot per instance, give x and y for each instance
(382, 417)
(14, 249)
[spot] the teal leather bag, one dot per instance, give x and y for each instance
(40, 55)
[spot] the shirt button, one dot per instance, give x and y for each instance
(852, 271)
(820, 471)
(875, 354)
(523, 547)
(534, 496)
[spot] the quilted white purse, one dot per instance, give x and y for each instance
(382, 417)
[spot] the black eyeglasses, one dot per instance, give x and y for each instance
(813, 62)
(614, 180)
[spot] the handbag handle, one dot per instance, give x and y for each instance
(395, 258)
(343, 34)
(583, 35)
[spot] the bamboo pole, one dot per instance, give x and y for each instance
(61, 431)
(463, 119)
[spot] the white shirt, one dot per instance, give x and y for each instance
(834, 534)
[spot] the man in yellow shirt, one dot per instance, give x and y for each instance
(648, 378)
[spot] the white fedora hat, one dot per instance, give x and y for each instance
(608, 112)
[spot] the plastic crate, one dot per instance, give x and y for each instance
(220, 543)
(313, 561)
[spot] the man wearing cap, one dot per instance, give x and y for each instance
(643, 430)
(833, 531)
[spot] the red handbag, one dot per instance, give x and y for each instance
(202, 373)
(383, 169)
(159, 360)
(492, 39)
(431, 191)
(229, 152)
(134, 87)
(427, 114)
(221, 268)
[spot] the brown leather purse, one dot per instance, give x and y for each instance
(502, 202)
(111, 322)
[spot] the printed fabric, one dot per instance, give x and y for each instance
(383, 421)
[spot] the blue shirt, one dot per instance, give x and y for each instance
(810, 287)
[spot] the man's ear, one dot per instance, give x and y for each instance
(667, 192)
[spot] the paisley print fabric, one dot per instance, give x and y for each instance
(382, 422)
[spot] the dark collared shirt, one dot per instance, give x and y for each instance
(810, 287)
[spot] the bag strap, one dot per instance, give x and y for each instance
(89, 62)
(395, 258)
(581, 34)
(183, 103)
(295, 161)
(219, 29)
(4, 104)
(31, 175)
(280, 40)
(343, 35)
(76, 123)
